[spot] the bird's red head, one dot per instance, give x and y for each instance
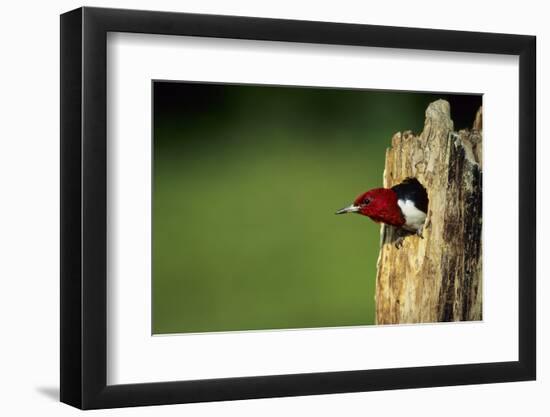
(380, 204)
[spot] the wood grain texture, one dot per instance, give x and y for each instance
(437, 277)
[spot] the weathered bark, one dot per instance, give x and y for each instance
(437, 277)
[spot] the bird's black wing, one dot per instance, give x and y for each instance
(411, 189)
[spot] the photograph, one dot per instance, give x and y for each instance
(294, 207)
(270, 209)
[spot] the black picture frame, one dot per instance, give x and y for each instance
(84, 207)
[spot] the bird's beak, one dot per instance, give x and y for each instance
(350, 209)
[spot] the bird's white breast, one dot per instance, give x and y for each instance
(414, 218)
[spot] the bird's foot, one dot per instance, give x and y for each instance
(399, 242)
(419, 233)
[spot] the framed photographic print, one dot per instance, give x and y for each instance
(258, 208)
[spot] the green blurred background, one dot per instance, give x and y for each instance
(246, 183)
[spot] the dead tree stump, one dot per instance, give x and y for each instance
(438, 277)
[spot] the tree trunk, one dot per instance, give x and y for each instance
(437, 277)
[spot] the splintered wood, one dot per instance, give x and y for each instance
(437, 277)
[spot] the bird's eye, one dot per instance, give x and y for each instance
(366, 201)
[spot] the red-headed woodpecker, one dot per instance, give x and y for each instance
(403, 206)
